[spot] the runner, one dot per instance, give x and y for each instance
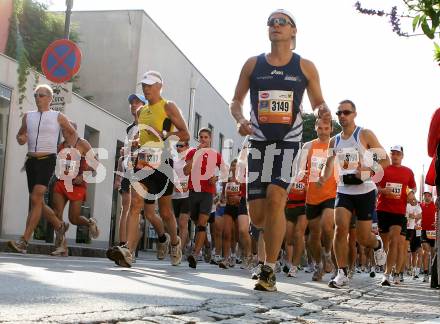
(414, 231)
(181, 194)
(320, 201)
(153, 168)
(428, 231)
(356, 191)
(235, 214)
(391, 208)
(202, 187)
(136, 101)
(296, 225)
(72, 165)
(277, 82)
(40, 130)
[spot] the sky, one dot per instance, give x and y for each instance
(393, 81)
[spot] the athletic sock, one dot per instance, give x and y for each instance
(272, 265)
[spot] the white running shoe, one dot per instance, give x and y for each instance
(339, 281)
(176, 253)
(293, 271)
(380, 255)
(163, 248)
(93, 228)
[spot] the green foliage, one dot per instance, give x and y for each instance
(37, 28)
(427, 17)
(31, 30)
(309, 132)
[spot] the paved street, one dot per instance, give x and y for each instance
(35, 288)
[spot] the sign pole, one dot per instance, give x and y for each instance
(69, 4)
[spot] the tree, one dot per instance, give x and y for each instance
(425, 15)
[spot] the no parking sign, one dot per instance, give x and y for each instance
(61, 61)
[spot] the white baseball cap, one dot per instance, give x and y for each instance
(151, 77)
(397, 148)
(284, 12)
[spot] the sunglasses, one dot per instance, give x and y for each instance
(40, 95)
(180, 145)
(279, 21)
(344, 112)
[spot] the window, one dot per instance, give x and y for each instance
(197, 123)
(221, 138)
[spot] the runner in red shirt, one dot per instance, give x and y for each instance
(201, 166)
(428, 230)
(391, 208)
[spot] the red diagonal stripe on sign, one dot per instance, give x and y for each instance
(60, 61)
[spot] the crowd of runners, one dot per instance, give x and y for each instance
(337, 205)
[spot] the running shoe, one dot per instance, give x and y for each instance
(426, 277)
(385, 280)
(396, 279)
(318, 273)
(192, 262)
(224, 264)
(122, 256)
(19, 246)
(62, 250)
(60, 233)
(401, 278)
(93, 228)
(176, 253)
(380, 255)
(163, 248)
(293, 271)
(207, 254)
(310, 268)
(266, 280)
(340, 280)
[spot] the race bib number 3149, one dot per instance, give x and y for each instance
(275, 107)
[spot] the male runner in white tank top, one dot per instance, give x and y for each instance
(40, 130)
(356, 190)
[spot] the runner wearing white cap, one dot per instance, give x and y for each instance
(277, 81)
(391, 209)
(152, 167)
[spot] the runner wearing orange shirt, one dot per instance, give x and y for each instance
(320, 200)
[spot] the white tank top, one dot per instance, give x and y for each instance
(181, 182)
(349, 153)
(43, 130)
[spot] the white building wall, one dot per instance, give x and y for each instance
(119, 46)
(15, 200)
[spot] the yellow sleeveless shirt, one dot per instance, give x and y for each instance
(154, 116)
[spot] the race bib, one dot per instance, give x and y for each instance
(418, 233)
(275, 107)
(298, 187)
(183, 186)
(149, 157)
(348, 159)
(232, 191)
(430, 235)
(68, 166)
(396, 190)
(317, 163)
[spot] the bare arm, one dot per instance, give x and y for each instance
(370, 141)
(329, 166)
(69, 132)
(187, 168)
(175, 115)
(22, 132)
(242, 88)
(314, 90)
(302, 162)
